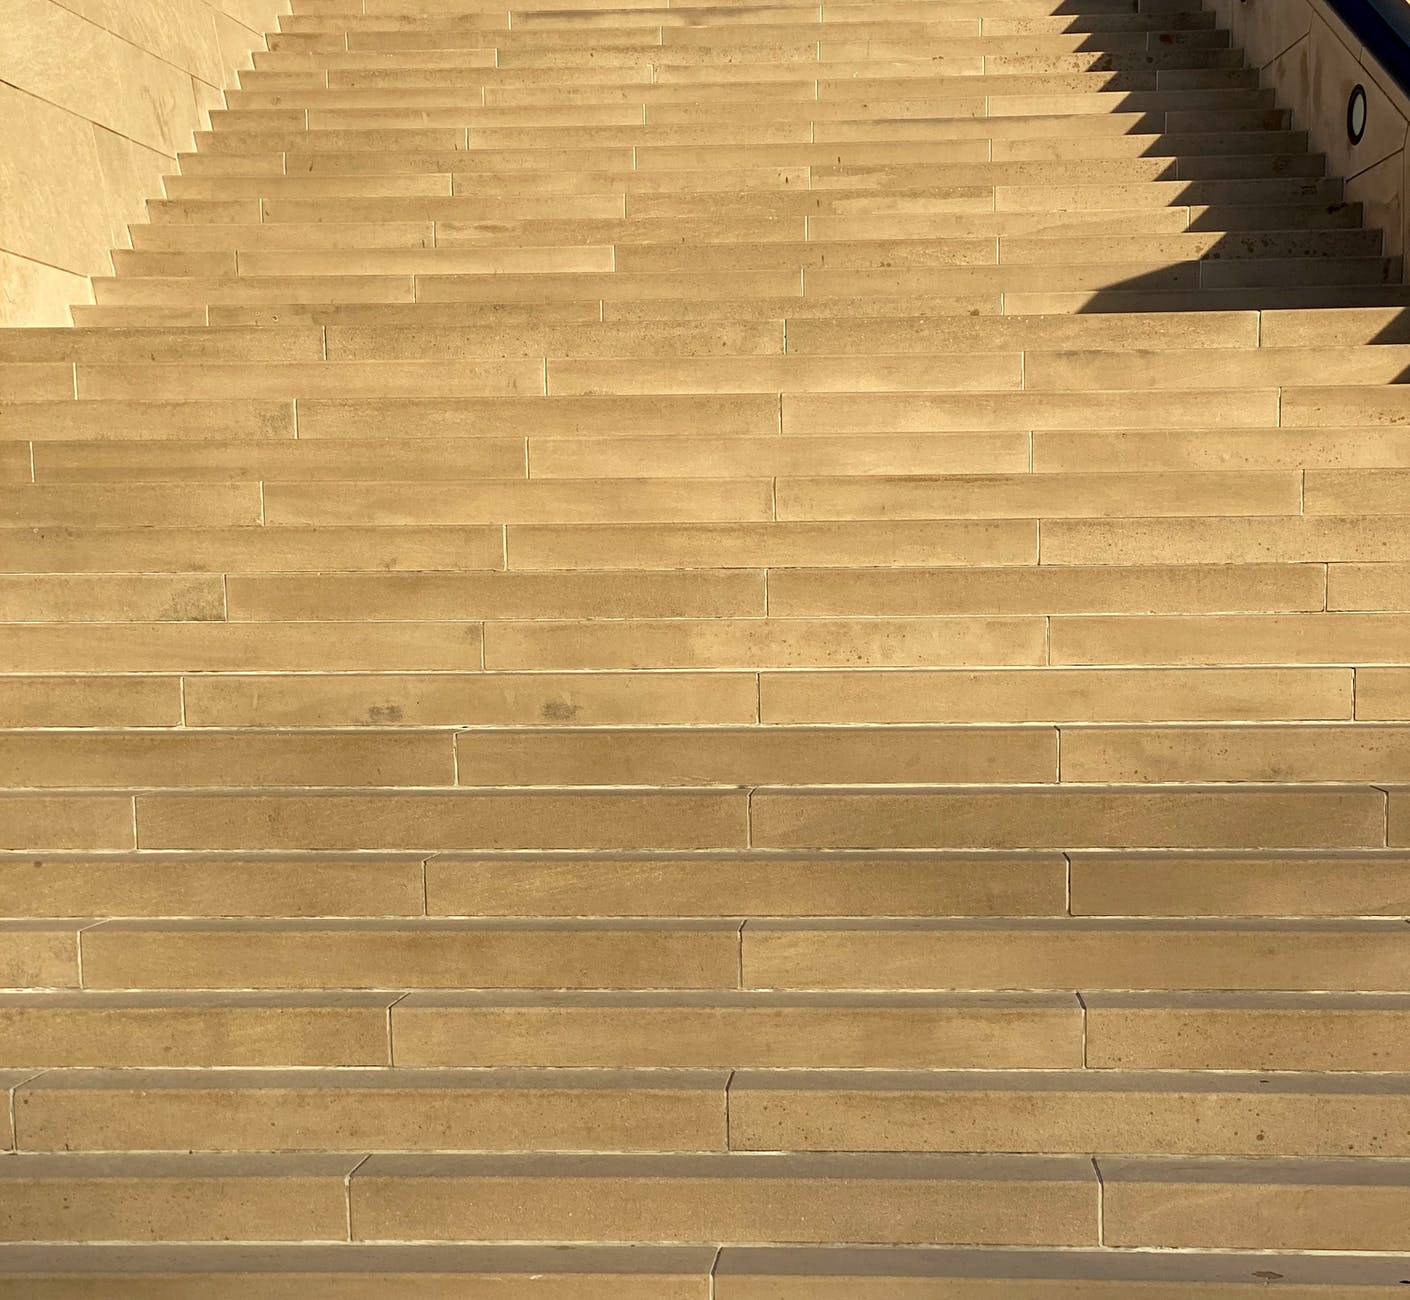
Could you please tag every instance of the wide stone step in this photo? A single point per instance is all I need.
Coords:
(738, 192)
(582, 454)
(1082, 103)
(906, 164)
(652, 757)
(761, 22)
(364, 1272)
(1154, 285)
(763, 1030)
(1010, 139)
(757, 883)
(281, 236)
(771, 61)
(955, 37)
(1151, 112)
(396, 1109)
(718, 1029)
(680, 698)
(820, 817)
(783, 954)
(1109, 641)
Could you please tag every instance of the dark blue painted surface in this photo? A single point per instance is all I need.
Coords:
(1383, 27)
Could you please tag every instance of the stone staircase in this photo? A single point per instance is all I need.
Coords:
(737, 651)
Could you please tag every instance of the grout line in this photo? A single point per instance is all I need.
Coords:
(78, 948)
(1101, 1203)
(391, 1056)
(1082, 1002)
(347, 1192)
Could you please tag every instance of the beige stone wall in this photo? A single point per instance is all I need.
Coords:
(96, 99)
(1312, 60)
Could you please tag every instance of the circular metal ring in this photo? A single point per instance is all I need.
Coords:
(1357, 111)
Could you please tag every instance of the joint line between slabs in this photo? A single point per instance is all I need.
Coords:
(1101, 1203)
(347, 1193)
